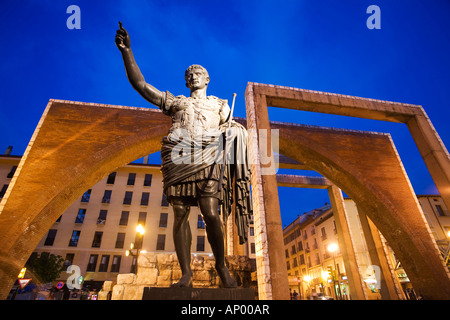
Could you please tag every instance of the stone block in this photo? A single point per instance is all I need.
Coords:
(103, 295)
(133, 292)
(176, 274)
(209, 263)
(147, 260)
(117, 292)
(108, 286)
(197, 263)
(126, 278)
(202, 276)
(164, 279)
(147, 276)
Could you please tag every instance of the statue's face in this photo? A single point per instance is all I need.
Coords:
(196, 79)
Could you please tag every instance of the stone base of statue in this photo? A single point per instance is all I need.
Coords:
(155, 293)
(161, 270)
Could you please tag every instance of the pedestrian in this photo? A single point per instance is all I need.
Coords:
(295, 294)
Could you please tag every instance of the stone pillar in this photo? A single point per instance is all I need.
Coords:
(433, 152)
(352, 269)
(270, 260)
(388, 290)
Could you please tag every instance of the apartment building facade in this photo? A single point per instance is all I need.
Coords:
(95, 232)
(314, 269)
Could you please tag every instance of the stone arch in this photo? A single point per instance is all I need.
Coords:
(79, 144)
(380, 189)
(379, 186)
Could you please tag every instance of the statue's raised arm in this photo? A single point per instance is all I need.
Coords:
(149, 92)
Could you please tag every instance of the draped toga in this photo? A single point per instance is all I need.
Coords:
(192, 156)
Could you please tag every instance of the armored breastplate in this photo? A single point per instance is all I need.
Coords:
(195, 116)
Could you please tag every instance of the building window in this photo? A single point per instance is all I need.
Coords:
(131, 178)
(97, 241)
(111, 178)
(80, 216)
(200, 222)
(50, 237)
(315, 245)
(128, 197)
(68, 261)
(161, 242)
(252, 231)
(163, 220)
(164, 202)
(439, 210)
(59, 219)
(120, 240)
(324, 233)
(107, 196)
(115, 266)
(142, 218)
(302, 259)
(144, 198)
(86, 196)
(252, 248)
(102, 217)
(293, 249)
(74, 239)
(92, 263)
(104, 264)
(200, 243)
(11, 173)
(147, 180)
(3, 191)
(124, 218)
(286, 253)
(300, 246)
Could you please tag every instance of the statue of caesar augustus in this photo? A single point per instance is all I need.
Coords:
(197, 122)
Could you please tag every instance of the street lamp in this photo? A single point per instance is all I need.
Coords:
(135, 248)
(333, 248)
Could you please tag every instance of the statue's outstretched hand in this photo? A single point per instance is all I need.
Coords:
(122, 38)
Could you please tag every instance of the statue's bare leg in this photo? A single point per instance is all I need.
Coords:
(182, 238)
(209, 209)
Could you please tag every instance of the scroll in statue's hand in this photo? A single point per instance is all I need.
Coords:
(122, 38)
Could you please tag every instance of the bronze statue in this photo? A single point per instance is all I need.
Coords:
(197, 122)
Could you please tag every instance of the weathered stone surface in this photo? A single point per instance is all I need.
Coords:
(107, 285)
(133, 292)
(117, 292)
(147, 260)
(166, 270)
(126, 278)
(147, 276)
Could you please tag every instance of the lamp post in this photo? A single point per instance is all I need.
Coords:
(135, 248)
(332, 248)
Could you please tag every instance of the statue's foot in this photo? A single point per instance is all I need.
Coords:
(185, 282)
(227, 280)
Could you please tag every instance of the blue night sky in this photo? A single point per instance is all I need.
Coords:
(320, 45)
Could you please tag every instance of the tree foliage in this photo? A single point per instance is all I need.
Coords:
(46, 266)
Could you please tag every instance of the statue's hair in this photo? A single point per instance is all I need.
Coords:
(192, 67)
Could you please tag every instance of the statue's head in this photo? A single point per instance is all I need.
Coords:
(196, 76)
